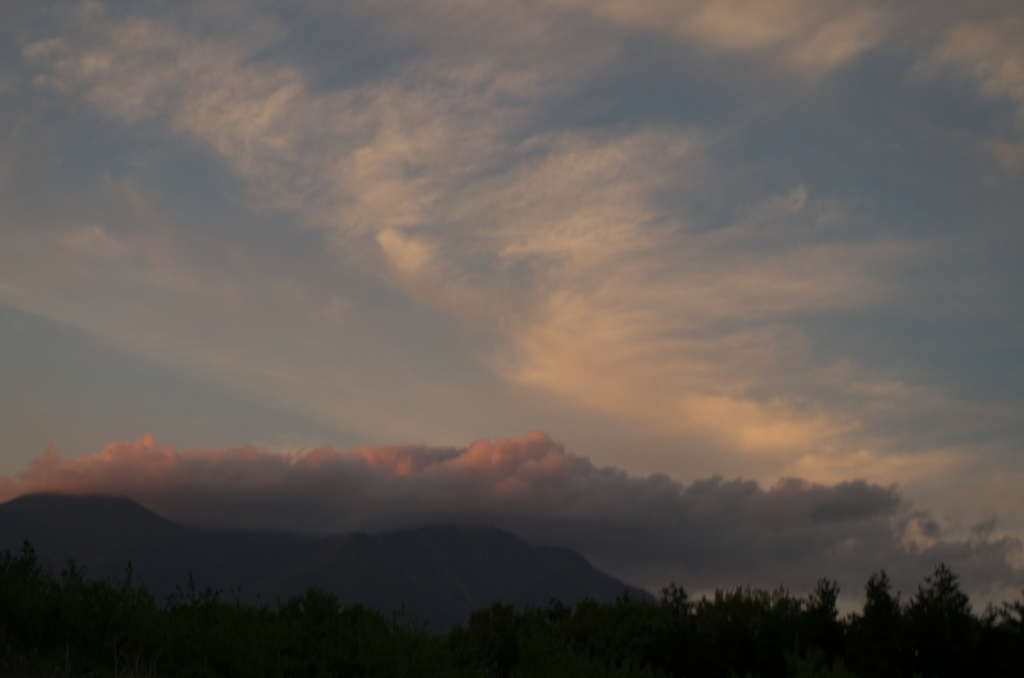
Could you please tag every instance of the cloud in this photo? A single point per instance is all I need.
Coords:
(458, 173)
(649, 530)
(93, 241)
(989, 53)
(809, 37)
(552, 242)
(407, 255)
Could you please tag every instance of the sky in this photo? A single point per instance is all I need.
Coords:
(714, 291)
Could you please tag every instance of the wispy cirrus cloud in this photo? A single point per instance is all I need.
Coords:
(987, 53)
(650, 530)
(562, 245)
(809, 38)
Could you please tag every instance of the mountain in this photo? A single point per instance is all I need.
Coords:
(436, 573)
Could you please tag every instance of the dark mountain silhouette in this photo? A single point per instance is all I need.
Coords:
(436, 573)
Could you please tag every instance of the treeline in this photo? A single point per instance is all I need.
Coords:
(65, 624)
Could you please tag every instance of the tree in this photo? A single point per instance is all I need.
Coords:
(942, 629)
(490, 640)
(876, 637)
(822, 618)
(676, 599)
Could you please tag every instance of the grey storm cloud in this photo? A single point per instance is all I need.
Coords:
(648, 530)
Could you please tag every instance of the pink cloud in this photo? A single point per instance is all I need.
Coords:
(158, 476)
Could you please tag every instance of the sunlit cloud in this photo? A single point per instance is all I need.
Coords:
(558, 244)
(578, 212)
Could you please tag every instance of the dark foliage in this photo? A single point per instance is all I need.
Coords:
(66, 624)
(875, 639)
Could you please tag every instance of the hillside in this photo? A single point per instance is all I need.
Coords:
(439, 573)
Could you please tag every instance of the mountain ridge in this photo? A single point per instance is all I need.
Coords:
(438, 573)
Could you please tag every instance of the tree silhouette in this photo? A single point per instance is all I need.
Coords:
(71, 625)
(823, 630)
(941, 628)
(876, 637)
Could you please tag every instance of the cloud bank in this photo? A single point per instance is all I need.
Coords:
(648, 530)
